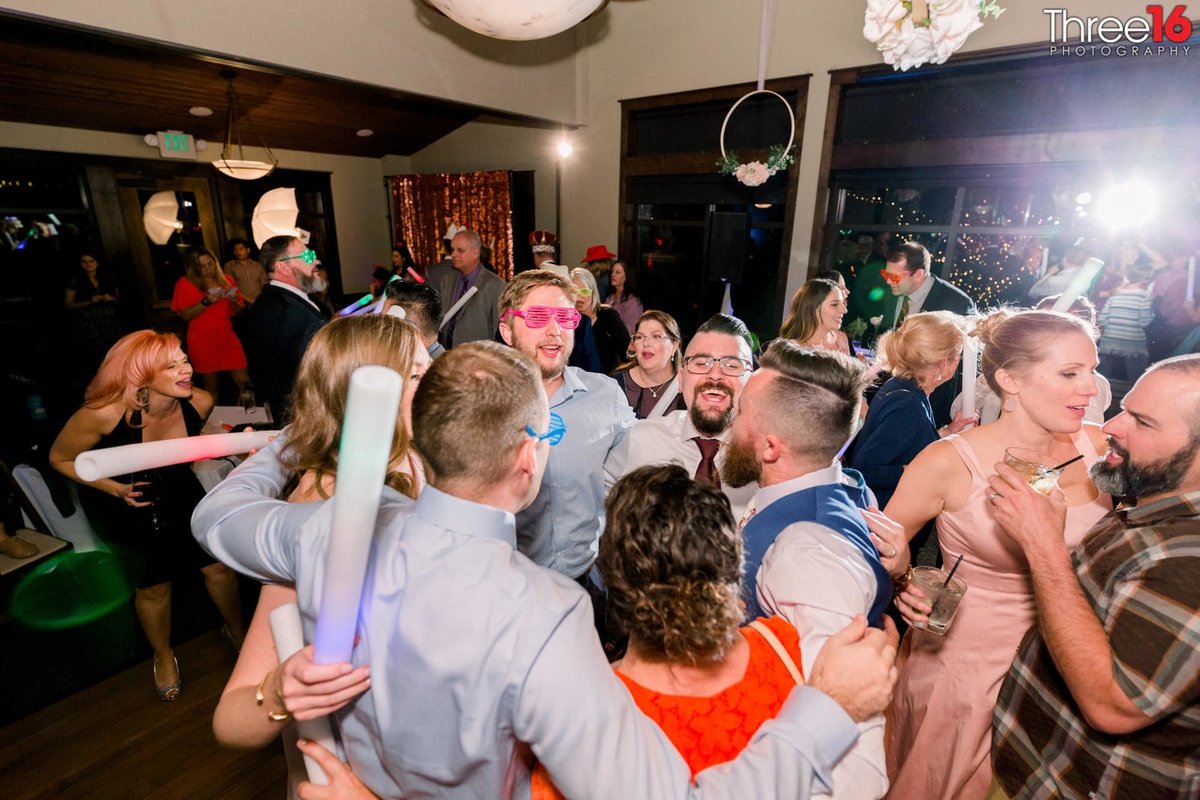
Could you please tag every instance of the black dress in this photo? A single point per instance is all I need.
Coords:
(612, 339)
(153, 543)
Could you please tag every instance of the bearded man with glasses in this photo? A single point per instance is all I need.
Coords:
(278, 327)
(561, 528)
(716, 366)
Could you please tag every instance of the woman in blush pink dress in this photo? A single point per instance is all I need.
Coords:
(939, 725)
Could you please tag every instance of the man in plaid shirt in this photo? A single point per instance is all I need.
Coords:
(1103, 699)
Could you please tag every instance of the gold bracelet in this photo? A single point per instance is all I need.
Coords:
(260, 698)
(901, 583)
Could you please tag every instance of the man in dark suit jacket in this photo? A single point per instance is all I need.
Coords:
(914, 289)
(480, 317)
(279, 325)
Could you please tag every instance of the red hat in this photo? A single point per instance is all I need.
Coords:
(597, 252)
(542, 241)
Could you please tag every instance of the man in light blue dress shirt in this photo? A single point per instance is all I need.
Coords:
(561, 528)
(476, 652)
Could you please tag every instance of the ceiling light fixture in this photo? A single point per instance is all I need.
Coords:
(364, 132)
(241, 168)
(200, 111)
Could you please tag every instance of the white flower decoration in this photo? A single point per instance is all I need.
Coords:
(753, 174)
(876, 320)
(907, 41)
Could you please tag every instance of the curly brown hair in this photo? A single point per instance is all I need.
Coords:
(672, 561)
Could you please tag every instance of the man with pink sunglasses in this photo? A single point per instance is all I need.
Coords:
(561, 529)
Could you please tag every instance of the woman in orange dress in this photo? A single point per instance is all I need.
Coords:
(671, 557)
(208, 299)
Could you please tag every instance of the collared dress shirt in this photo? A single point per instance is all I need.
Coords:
(818, 580)
(1139, 568)
(668, 440)
(561, 528)
(475, 650)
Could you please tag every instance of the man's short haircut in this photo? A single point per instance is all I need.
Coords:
(729, 326)
(421, 303)
(471, 409)
(272, 250)
(519, 287)
(473, 239)
(235, 242)
(914, 255)
(1189, 366)
(813, 399)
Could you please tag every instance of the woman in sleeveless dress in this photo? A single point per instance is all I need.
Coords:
(143, 393)
(939, 724)
(815, 317)
(318, 402)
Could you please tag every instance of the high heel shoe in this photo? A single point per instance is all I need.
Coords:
(170, 691)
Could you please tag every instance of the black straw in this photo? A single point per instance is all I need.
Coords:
(1067, 463)
(946, 585)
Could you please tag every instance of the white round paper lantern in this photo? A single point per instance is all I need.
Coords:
(517, 19)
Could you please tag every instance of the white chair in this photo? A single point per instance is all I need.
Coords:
(75, 529)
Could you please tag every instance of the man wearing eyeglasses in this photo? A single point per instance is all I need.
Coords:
(561, 529)
(280, 324)
(715, 368)
(477, 320)
(915, 289)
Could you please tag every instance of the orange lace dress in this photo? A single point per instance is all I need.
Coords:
(712, 730)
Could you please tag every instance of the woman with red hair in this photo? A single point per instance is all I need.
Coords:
(143, 393)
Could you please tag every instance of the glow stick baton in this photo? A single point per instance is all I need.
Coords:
(373, 399)
(93, 465)
(1045, 260)
(454, 309)
(969, 365)
(1191, 284)
(1079, 284)
(378, 307)
(288, 633)
(356, 305)
(416, 276)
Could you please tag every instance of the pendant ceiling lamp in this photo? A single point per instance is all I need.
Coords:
(233, 161)
(517, 20)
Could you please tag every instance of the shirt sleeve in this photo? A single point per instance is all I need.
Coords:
(818, 585)
(629, 756)
(622, 413)
(243, 525)
(1154, 630)
(185, 295)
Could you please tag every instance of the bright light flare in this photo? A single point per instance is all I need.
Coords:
(565, 149)
(1130, 204)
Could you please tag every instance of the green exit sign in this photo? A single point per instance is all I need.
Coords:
(176, 144)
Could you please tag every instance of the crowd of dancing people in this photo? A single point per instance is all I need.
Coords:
(687, 570)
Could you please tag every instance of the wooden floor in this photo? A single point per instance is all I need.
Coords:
(118, 740)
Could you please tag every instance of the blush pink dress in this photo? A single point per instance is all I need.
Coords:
(939, 730)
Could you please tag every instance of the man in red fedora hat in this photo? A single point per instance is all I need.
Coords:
(599, 261)
(543, 245)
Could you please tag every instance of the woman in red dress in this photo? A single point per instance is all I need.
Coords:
(208, 300)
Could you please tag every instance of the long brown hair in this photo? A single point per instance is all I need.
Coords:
(319, 396)
(191, 268)
(803, 317)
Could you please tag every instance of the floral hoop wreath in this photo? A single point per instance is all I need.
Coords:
(756, 173)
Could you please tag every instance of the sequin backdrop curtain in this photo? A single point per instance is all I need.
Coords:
(424, 206)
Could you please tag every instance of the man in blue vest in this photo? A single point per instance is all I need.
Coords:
(808, 551)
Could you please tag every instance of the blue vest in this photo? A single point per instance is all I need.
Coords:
(834, 505)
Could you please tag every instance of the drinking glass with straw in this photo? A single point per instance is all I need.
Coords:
(943, 592)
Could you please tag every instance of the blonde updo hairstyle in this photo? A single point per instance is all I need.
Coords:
(1015, 341)
(921, 342)
(671, 559)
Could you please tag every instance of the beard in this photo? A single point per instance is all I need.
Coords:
(741, 467)
(711, 423)
(305, 283)
(1143, 480)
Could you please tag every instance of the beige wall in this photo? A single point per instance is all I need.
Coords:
(633, 48)
(357, 185)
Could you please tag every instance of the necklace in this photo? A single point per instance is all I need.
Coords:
(653, 390)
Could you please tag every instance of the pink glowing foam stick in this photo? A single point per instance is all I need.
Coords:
(93, 465)
(415, 275)
(371, 408)
(288, 633)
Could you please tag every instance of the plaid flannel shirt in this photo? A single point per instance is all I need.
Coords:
(1140, 570)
